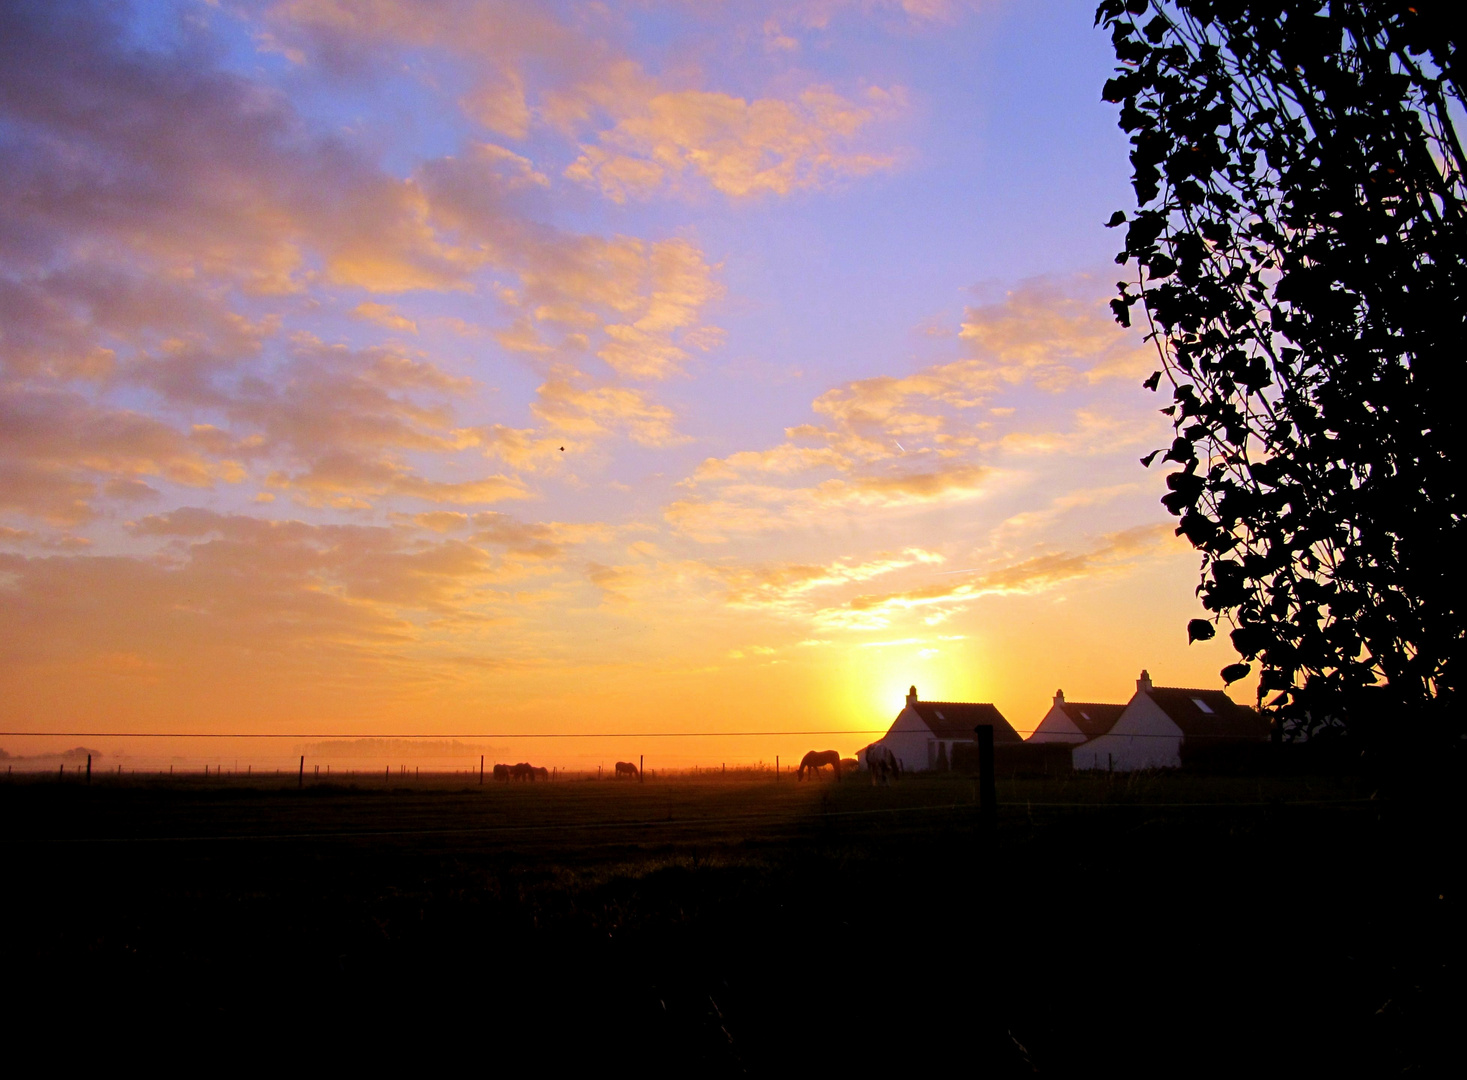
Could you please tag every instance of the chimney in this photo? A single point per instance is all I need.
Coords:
(912, 696)
(1143, 684)
(1059, 697)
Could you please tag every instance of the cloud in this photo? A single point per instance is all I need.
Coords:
(784, 588)
(132, 231)
(384, 315)
(232, 597)
(935, 437)
(571, 405)
(749, 508)
(527, 68)
(739, 148)
(59, 451)
(1053, 333)
(1039, 573)
(616, 583)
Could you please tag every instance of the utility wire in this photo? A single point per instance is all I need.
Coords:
(421, 736)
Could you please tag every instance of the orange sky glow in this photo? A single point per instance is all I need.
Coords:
(460, 368)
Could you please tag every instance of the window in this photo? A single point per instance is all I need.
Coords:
(1202, 705)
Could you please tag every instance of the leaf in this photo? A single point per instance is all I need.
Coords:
(1119, 217)
(1153, 382)
(1149, 458)
(1233, 672)
(1200, 630)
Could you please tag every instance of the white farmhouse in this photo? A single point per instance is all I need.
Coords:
(1075, 721)
(924, 733)
(1158, 720)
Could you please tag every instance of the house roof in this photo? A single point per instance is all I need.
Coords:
(957, 719)
(1092, 718)
(1208, 714)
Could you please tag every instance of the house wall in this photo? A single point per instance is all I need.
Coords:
(1143, 738)
(909, 740)
(1056, 727)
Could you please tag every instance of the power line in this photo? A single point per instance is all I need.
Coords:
(418, 735)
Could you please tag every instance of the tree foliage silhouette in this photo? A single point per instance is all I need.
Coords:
(1299, 258)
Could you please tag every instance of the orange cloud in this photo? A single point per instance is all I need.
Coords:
(569, 405)
(1038, 573)
(739, 148)
(384, 315)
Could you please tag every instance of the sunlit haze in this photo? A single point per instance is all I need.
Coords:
(451, 369)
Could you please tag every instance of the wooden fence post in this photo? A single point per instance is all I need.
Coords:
(300, 780)
(641, 768)
(987, 792)
(776, 768)
(89, 768)
(481, 770)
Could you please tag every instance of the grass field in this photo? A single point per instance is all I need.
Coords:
(1154, 924)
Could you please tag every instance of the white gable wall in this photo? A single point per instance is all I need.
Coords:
(1143, 738)
(1057, 727)
(912, 741)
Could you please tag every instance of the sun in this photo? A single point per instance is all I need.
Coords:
(876, 677)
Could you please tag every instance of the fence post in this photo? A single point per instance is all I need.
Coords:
(300, 780)
(89, 768)
(987, 792)
(481, 770)
(641, 768)
(776, 768)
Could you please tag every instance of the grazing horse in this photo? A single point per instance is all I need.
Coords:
(523, 771)
(626, 768)
(882, 764)
(501, 772)
(817, 758)
(540, 772)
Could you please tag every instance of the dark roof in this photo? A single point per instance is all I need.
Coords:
(1209, 714)
(957, 719)
(1092, 718)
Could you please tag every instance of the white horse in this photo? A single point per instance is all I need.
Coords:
(882, 764)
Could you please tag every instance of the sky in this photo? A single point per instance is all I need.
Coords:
(399, 367)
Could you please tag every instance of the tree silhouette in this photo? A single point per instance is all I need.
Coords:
(1298, 255)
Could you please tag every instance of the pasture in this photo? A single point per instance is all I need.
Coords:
(1155, 924)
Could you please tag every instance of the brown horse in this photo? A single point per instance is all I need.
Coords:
(815, 759)
(501, 772)
(626, 768)
(540, 773)
(523, 771)
(882, 764)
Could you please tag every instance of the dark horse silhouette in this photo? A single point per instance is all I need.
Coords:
(816, 759)
(501, 772)
(882, 764)
(523, 771)
(626, 768)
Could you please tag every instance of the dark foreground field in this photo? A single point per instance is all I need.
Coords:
(1155, 925)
